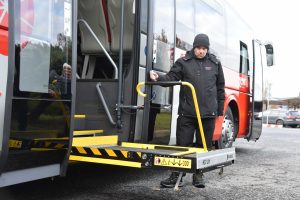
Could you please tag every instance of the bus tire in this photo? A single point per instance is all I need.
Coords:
(228, 131)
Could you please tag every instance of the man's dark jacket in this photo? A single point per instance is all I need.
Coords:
(206, 75)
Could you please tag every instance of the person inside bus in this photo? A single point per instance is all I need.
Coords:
(59, 87)
(202, 69)
(61, 84)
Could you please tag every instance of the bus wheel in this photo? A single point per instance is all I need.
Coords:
(227, 136)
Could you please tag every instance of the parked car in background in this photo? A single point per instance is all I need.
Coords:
(281, 117)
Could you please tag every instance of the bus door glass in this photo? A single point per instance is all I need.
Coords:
(163, 59)
(42, 70)
(257, 93)
(44, 42)
(159, 34)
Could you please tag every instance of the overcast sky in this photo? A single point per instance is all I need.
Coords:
(277, 21)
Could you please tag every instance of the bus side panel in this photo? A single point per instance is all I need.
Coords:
(3, 78)
(243, 102)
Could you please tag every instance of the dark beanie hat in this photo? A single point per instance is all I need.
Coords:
(201, 40)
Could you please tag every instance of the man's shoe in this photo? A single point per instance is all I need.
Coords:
(171, 181)
(198, 180)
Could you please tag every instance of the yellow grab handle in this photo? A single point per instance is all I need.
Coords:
(138, 89)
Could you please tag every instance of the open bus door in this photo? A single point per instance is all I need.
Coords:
(262, 53)
(40, 98)
(38, 107)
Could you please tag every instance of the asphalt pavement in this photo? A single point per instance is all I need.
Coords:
(266, 169)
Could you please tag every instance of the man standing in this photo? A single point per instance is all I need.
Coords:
(204, 71)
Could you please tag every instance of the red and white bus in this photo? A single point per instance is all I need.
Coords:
(111, 45)
(232, 41)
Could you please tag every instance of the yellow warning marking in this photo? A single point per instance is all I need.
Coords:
(111, 153)
(42, 149)
(59, 146)
(106, 161)
(139, 154)
(96, 151)
(125, 153)
(87, 132)
(47, 144)
(15, 144)
(81, 150)
(172, 162)
(187, 152)
(79, 116)
(43, 139)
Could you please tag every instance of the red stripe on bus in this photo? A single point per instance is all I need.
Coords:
(104, 6)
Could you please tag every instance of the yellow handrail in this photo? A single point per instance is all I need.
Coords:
(197, 113)
(138, 88)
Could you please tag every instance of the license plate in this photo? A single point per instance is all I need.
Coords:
(172, 162)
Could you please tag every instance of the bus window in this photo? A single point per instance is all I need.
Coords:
(163, 35)
(185, 24)
(144, 14)
(209, 19)
(244, 59)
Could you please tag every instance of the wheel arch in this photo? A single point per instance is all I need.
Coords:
(230, 102)
(235, 112)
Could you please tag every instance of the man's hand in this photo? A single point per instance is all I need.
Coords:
(153, 75)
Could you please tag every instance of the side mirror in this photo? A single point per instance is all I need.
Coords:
(270, 54)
